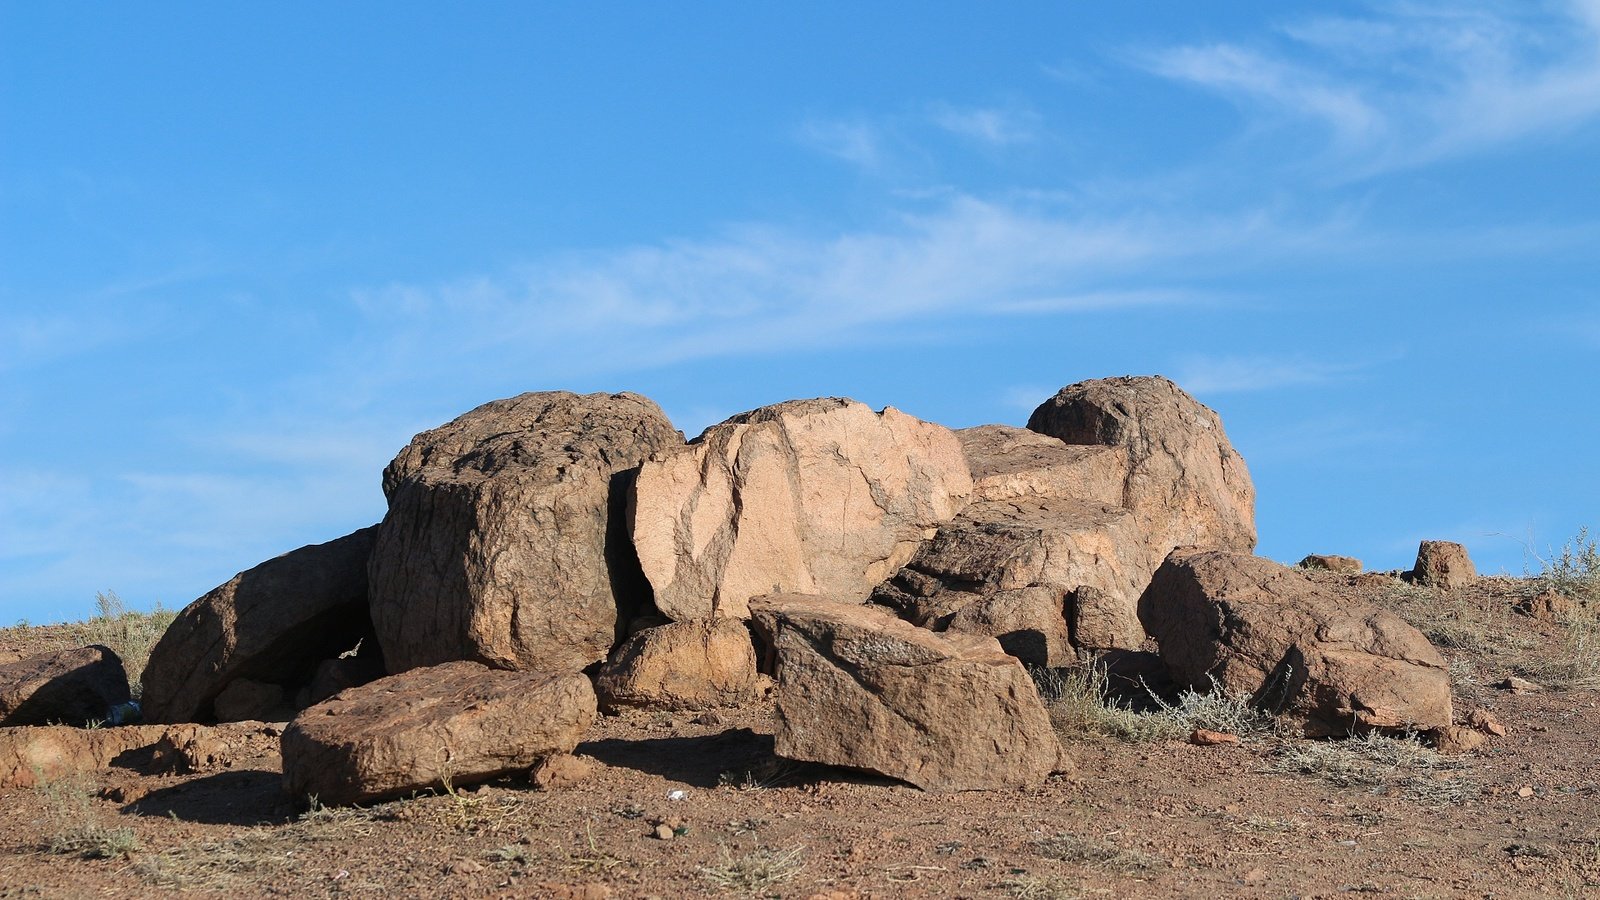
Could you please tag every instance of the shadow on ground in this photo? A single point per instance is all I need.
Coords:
(243, 797)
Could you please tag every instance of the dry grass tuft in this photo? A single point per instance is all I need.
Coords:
(755, 871)
(1072, 848)
(73, 823)
(1079, 701)
(1380, 764)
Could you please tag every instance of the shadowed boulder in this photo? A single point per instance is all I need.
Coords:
(69, 687)
(272, 623)
(1298, 648)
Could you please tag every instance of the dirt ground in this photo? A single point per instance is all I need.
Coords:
(1140, 818)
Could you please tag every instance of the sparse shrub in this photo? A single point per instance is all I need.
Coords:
(1080, 700)
(74, 825)
(1575, 572)
(1380, 763)
(754, 871)
(129, 633)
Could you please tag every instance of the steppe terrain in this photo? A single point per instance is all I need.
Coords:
(1147, 813)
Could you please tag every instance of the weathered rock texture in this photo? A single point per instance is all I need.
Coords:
(69, 687)
(1300, 649)
(270, 623)
(816, 496)
(1327, 562)
(1186, 484)
(505, 540)
(245, 699)
(858, 687)
(1014, 463)
(1028, 623)
(1003, 546)
(698, 664)
(460, 721)
(35, 755)
(1443, 564)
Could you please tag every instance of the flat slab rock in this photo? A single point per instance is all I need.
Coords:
(505, 540)
(272, 622)
(1298, 648)
(31, 756)
(1011, 463)
(816, 496)
(861, 688)
(460, 721)
(68, 687)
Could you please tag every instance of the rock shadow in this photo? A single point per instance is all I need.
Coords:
(698, 761)
(235, 797)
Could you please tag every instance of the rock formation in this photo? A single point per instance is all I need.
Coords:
(1297, 648)
(820, 496)
(505, 541)
(270, 623)
(858, 687)
(457, 723)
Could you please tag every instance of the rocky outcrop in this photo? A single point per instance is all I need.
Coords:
(1297, 648)
(1444, 565)
(1328, 562)
(1002, 546)
(37, 755)
(818, 496)
(69, 687)
(858, 687)
(505, 538)
(1186, 485)
(698, 664)
(457, 723)
(270, 623)
(1028, 622)
(1014, 463)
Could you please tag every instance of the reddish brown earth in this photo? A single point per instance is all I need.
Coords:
(1154, 819)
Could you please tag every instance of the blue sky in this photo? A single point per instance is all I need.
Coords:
(247, 250)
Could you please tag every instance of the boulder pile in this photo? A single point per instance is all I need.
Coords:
(882, 580)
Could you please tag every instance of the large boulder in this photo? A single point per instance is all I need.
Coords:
(1297, 648)
(271, 623)
(452, 724)
(68, 687)
(698, 664)
(858, 687)
(816, 496)
(1003, 546)
(505, 539)
(1014, 463)
(1185, 482)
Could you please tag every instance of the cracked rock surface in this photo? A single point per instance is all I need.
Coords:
(859, 687)
(811, 496)
(1299, 648)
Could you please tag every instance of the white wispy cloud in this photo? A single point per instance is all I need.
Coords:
(1232, 374)
(992, 126)
(757, 290)
(1411, 84)
(855, 141)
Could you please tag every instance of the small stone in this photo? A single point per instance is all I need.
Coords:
(664, 832)
(1202, 737)
(1518, 685)
(1525, 792)
(465, 867)
(1483, 721)
(560, 770)
(1457, 739)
